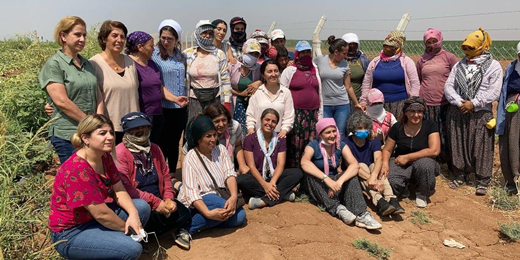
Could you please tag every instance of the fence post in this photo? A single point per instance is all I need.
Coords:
(192, 39)
(271, 29)
(316, 42)
(404, 22)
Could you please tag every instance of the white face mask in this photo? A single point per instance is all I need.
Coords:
(325, 143)
(249, 60)
(376, 111)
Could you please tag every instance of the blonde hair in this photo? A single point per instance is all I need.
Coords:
(88, 125)
(65, 25)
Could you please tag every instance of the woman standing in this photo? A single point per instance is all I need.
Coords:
(434, 68)
(139, 46)
(357, 62)
(116, 74)
(340, 193)
(207, 71)
(172, 65)
(393, 73)
(265, 155)
(335, 80)
(304, 82)
(70, 83)
(243, 73)
(206, 168)
(91, 212)
(271, 95)
(474, 83)
(237, 38)
(508, 125)
(416, 143)
(220, 33)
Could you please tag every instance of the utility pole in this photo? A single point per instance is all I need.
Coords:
(316, 42)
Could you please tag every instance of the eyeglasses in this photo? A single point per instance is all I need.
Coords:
(168, 39)
(111, 192)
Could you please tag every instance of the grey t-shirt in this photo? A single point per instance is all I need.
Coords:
(334, 92)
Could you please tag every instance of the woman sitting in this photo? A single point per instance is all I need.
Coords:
(339, 193)
(146, 175)
(367, 152)
(206, 168)
(417, 143)
(90, 209)
(265, 154)
(382, 120)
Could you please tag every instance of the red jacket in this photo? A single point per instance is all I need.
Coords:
(127, 169)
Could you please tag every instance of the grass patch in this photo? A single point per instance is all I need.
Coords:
(321, 208)
(302, 198)
(510, 230)
(373, 249)
(421, 217)
(501, 200)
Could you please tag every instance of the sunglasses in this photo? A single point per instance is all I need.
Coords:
(168, 39)
(111, 192)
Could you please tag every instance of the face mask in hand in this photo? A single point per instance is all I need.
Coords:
(361, 134)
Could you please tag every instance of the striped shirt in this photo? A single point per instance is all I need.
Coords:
(195, 179)
(223, 75)
(173, 75)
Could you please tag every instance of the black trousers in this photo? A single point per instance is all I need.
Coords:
(157, 129)
(252, 188)
(175, 120)
(159, 223)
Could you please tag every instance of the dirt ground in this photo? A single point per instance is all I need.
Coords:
(300, 231)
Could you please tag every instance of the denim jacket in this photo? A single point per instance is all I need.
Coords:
(501, 111)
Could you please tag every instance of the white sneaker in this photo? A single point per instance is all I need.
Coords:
(346, 216)
(290, 197)
(420, 200)
(367, 221)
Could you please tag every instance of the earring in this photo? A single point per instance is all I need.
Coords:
(88, 145)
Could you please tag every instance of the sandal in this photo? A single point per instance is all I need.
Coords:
(456, 184)
(481, 190)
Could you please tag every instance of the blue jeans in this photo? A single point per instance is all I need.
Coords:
(63, 148)
(340, 114)
(94, 241)
(213, 201)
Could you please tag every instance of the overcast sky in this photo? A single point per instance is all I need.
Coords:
(297, 18)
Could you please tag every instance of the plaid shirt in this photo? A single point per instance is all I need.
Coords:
(237, 51)
(223, 77)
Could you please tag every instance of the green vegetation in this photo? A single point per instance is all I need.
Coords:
(24, 150)
(373, 249)
(511, 231)
(501, 200)
(421, 217)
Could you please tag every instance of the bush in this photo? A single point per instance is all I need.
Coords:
(511, 231)
(373, 249)
(420, 217)
(501, 200)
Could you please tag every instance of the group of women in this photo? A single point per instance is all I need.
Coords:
(255, 129)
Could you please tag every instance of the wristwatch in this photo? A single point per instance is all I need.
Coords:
(325, 176)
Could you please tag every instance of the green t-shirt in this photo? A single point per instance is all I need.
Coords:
(80, 84)
(243, 82)
(356, 76)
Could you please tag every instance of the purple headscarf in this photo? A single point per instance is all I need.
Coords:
(134, 39)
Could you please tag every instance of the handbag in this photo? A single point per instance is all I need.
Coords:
(205, 95)
(222, 192)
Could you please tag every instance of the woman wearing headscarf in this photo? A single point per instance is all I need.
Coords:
(357, 62)
(382, 120)
(199, 191)
(303, 80)
(340, 193)
(508, 125)
(70, 83)
(116, 74)
(393, 73)
(269, 182)
(172, 65)
(474, 83)
(139, 46)
(409, 152)
(207, 71)
(434, 68)
(263, 39)
(242, 74)
(237, 38)
(146, 176)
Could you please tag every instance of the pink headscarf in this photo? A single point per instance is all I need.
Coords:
(434, 49)
(320, 126)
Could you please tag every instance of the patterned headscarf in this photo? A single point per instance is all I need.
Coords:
(395, 39)
(479, 40)
(134, 39)
(204, 43)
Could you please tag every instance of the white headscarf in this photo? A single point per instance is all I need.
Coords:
(175, 25)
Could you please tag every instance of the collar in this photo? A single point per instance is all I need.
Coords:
(70, 60)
